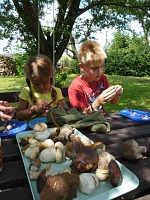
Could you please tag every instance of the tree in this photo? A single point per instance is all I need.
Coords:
(128, 56)
(21, 18)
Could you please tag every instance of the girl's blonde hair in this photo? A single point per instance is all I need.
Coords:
(91, 51)
(40, 66)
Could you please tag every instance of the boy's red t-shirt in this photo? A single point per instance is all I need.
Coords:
(82, 94)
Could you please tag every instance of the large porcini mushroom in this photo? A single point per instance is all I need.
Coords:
(115, 173)
(62, 186)
(85, 158)
(42, 177)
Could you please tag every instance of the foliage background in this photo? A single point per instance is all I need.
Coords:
(128, 55)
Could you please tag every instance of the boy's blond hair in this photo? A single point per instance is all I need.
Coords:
(91, 52)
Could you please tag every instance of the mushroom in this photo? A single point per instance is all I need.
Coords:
(102, 174)
(115, 174)
(48, 155)
(34, 169)
(104, 159)
(46, 144)
(34, 165)
(40, 126)
(88, 183)
(41, 179)
(51, 154)
(32, 152)
(132, 151)
(65, 131)
(41, 131)
(61, 186)
(59, 145)
(85, 159)
(86, 141)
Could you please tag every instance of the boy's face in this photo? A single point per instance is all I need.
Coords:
(92, 71)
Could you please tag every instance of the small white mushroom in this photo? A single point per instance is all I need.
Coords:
(40, 126)
(88, 183)
(34, 142)
(48, 155)
(59, 145)
(32, 152)
(42, 135)
(65, 131)
(28, 151)
(46, 144)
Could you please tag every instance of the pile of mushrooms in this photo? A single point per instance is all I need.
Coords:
(90, 161)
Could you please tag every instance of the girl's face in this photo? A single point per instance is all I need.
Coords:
(41, 85)
(92, 72)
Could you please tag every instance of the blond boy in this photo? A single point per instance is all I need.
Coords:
(91, 90)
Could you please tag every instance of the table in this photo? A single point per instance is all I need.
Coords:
(14, 182)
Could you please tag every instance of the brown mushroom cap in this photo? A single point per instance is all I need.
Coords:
(62, 186)
(115, 173)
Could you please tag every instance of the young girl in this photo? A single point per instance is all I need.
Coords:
(91, 90)
(34, 99)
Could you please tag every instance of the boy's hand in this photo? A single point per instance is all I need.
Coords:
(106, 96)
(119, 90)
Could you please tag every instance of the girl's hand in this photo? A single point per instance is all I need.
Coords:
(37, 109)
(40, 108)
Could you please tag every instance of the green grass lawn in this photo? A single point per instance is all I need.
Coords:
(136, 90)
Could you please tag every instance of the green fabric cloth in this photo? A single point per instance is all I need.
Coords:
(95, 121)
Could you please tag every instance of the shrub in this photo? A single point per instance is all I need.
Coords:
(128, 56)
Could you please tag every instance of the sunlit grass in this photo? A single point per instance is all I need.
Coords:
(14, 83)
(136, 93)
(136, 90)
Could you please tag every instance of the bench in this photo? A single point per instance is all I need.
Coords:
(13, 97)
(147, 197)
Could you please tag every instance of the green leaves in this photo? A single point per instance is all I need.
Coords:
(128, 55)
